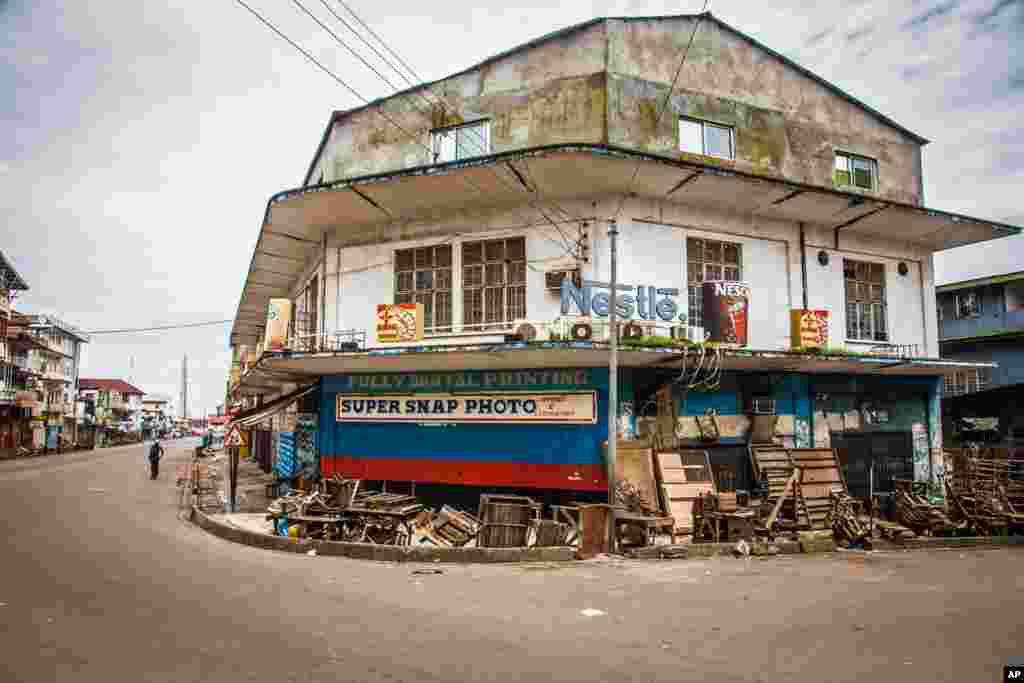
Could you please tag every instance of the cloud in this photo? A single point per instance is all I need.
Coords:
(858, 34)
(987, 19)
(817, 37)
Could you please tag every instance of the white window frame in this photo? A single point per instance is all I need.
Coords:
(683, 120)
(464, 141)
(874, 335)
(848, 160)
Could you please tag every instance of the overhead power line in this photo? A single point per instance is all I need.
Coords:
(266, 22)
(664, 106)
(161, 327)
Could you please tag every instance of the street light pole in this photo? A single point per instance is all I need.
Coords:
(613, 383)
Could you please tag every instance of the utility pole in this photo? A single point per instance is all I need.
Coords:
(613, 383)
(184, 387)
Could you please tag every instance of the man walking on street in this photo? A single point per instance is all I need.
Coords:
(156, 451)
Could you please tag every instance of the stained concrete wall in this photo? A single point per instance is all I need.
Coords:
(605, 84)
(786, 124)
(552, 93)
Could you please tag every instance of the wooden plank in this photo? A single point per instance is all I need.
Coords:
(634, 464)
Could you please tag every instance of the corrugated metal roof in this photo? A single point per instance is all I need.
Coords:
(16, 281)
(992, 259)
(109, 385)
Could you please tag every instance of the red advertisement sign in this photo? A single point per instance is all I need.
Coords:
(726, 307)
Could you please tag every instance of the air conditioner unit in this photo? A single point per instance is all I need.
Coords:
(760, 405)
(581, 331)
(526, 330)
(553, 279)
(632, 330)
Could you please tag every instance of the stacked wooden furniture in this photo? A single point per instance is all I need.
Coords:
(978, 489)
(801, 484)
(915, 512)
(506, 521)
(684, 476)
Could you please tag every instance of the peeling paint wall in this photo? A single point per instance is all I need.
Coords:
(552, 93)
(607, 82)
(786, 124)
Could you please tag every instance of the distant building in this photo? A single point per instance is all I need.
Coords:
(115, 407)
(157, 415)
(981, 319)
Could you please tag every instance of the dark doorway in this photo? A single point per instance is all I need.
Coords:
(892, 452)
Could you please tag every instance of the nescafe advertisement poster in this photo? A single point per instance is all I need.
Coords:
(726, 306)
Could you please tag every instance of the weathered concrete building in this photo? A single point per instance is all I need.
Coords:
(486, 198)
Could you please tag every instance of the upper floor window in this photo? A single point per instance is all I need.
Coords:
(967, 304)
(708, 260)
(967, 381)
(493, 282)
(424, 276)
(461, 142)
(706, 138)
(865, 301)
(855, 171)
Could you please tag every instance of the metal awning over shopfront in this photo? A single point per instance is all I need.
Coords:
(356, 211)
(254, 416)
(545, 355)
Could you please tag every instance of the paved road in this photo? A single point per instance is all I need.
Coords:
(103, 582)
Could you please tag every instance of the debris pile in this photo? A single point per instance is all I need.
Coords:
(846, 526)
(978, 482)
(914, 511)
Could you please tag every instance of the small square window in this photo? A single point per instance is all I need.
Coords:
(706, 138)
(461, 142)
(854, 171)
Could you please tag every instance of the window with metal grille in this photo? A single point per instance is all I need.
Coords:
(967, 381)
(493, 283)
(708, 260)
(865, 301)
(424, 276)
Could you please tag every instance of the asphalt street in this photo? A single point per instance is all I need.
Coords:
(104, 581)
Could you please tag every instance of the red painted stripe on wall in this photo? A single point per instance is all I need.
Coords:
(568, 477)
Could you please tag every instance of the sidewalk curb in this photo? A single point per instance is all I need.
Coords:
(380, 553)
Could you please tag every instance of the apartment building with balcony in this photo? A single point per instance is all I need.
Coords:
(980, 307)
(112, 409)
(13, 424)
(436, 293)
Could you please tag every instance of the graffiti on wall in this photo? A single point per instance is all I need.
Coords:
(921, 451)
(802, 433)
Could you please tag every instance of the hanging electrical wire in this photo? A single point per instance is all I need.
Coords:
(567, 248)
(161, 327)
(480, 146)
(664, 106)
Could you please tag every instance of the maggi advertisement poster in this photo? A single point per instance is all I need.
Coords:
(398, 323)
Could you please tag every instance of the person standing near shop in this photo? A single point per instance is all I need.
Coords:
(156, 451)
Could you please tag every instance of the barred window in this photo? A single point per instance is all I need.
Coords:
(424, 276)
(493, 283)
(967, 381)
(865, 301)
(708, 260)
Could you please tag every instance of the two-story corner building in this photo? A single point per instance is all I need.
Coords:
(157, 415)
(12, 406)
(115, 405)
(484, 201)
(980, 299)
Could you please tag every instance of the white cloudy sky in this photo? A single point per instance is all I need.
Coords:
(141, 140)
